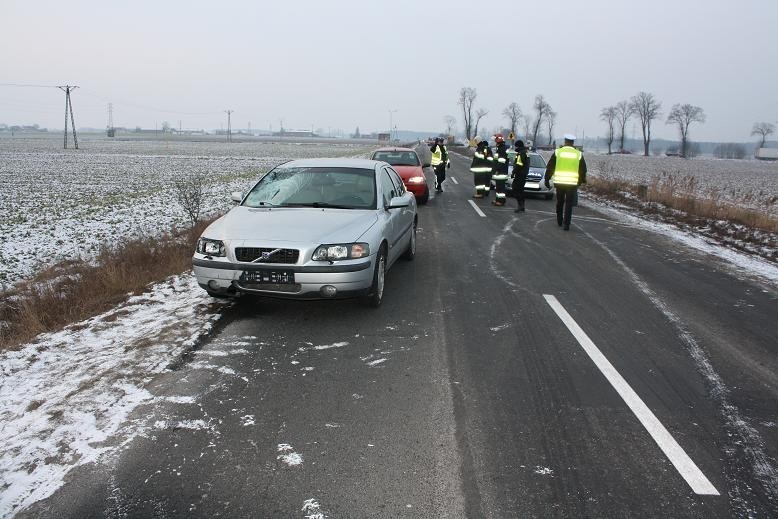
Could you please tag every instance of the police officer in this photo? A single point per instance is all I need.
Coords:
(567, 168)
(500, 170)
(481, 167)
(519, 175)
(439, 162)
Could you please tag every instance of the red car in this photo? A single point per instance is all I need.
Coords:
(407, 164)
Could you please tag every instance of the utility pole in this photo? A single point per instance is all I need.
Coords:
(111, 131)
(390, 123)
(229, 125)
(69, 106)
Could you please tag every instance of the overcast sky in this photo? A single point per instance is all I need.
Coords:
(343, 64)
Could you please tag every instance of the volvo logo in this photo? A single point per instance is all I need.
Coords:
(266, 255)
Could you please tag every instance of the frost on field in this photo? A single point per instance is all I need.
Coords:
(748, 183)
(60, 204)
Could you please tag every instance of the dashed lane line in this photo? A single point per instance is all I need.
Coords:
(477, 209)
(674, 452)
(454, 180)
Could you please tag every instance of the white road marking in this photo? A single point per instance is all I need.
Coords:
(454, 180)
(477, 209)
(674, 452)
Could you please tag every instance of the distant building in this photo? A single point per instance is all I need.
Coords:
(295, 133)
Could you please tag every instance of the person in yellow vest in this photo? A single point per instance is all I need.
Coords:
(439, 162)
(567, 168)
(481, 167)
(500, 170)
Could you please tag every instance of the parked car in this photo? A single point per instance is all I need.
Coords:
(406, 162)
(534, 183)
(311, 229)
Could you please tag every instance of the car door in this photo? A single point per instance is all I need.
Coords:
(391, 217)
(405, 215)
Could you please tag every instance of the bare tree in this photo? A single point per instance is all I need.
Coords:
(526, 124)
(542, 108)
(550, 122)
(467, 97)
(763, 129)
(479, 114)
(684, 115)
(513, 113)
(190, 193)
(623, 113)
(647, 108)
(451, 124)
(608, 114)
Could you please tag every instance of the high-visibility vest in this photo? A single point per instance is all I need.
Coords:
(518, 160)
(437, 156)
(566, 168)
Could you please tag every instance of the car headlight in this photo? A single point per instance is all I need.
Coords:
(416, 180)
(341, 251)
(210, 247)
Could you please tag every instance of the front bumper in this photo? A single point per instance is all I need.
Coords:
(418, 190)
(350, 278)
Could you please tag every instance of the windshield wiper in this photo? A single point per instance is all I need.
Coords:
(317, 204)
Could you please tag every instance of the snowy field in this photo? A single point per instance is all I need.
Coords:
(60, 204)
(751, 183)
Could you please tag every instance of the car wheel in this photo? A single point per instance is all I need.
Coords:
(376, 294)
(410, 253)
(423, 199)
(549, 196)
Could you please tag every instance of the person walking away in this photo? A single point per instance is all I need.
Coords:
(519, 175)
(481, 167)
(567, 168)
(439, 162)
(500, 170)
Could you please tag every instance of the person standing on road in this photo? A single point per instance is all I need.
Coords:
(520, 170)
(439, 162)
(567, 168)
(500, 170)
(481, 167)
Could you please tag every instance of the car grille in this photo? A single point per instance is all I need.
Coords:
(249, 254)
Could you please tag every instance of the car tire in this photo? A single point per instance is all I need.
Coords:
(376, 294)
(549, 196)
(410, 252)
(423, 199)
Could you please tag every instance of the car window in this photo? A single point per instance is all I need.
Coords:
(398, 158)
(388, 188)
(346, 188)
(398, 182)
(536, 161)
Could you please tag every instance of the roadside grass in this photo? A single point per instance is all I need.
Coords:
(748, 223)
(72, 291)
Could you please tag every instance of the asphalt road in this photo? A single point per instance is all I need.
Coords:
(514, 370)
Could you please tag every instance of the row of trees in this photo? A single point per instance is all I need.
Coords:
(542, 117)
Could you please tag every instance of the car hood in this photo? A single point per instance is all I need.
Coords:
(292, 225)
(407, 172)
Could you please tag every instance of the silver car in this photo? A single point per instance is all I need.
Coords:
(311, 229)
(535, 183)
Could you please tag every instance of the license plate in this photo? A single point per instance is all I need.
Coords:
(276, 277)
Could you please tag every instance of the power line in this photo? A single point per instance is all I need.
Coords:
(26, 85)
(69, 104)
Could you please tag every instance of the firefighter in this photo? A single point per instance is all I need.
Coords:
(567, 168)
(500, 170)
(520, 170)
(481, 167)
(439, 162)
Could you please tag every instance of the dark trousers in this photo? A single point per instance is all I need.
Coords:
(440, 174)
(518, 188)
(565, 199)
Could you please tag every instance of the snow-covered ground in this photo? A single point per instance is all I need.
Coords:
(61, 204)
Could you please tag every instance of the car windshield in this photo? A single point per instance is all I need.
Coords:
(536, 161)
(342, 188)
(397, 158)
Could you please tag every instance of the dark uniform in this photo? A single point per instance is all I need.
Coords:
(500, 171)
(519, 175)
(481, 167)
(567, 167)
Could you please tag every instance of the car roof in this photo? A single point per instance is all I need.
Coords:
(333, 163)
(395, 148)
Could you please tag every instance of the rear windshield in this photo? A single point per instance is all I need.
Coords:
(397, 158)
(342, 188)
(536, 161)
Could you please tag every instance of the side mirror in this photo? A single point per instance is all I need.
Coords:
(426, 165)
(398, 202)
(236, 196)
